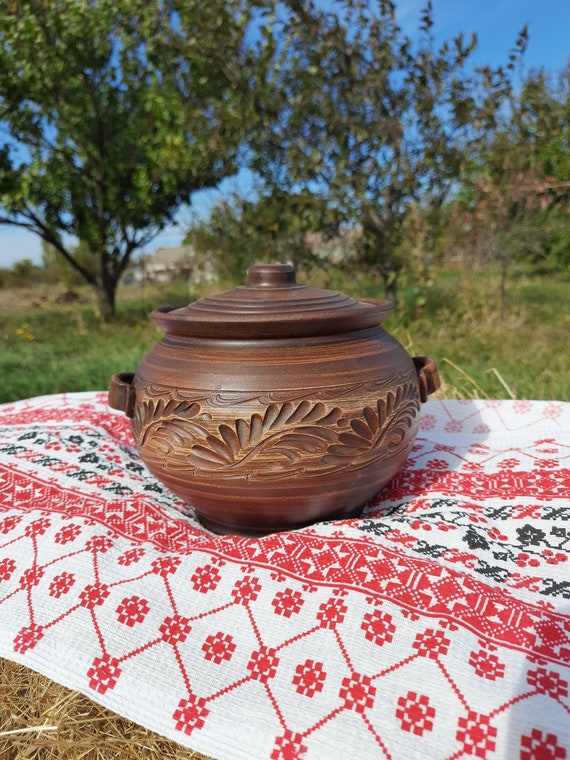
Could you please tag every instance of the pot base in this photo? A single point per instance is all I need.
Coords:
(231, 529)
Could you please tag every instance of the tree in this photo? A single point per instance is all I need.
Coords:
(516, 194)
(369, 120)
(276, 227)
(114, 112)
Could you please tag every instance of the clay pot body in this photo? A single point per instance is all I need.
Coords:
(262, 428)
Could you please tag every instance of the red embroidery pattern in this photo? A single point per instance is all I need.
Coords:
(219, 648)
(415, 713)
(476, 734)
(539, 746)
(487, 665)
(418, 629)
(132, 610)
(309, 678)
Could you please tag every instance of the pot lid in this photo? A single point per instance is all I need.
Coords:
(271, 305)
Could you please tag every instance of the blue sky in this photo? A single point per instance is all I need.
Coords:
(496, 23)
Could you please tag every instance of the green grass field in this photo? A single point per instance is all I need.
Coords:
(51, 348)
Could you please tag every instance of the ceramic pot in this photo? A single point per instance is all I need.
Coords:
(274, 405)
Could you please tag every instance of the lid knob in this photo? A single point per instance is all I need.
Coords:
(271, 276)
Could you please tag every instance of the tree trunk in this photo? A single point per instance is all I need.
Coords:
(391, 288)
(106, 299)
(378, 252)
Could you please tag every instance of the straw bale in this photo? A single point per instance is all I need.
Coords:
(42, 720)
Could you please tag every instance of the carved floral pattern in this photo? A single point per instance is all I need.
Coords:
(275, 436)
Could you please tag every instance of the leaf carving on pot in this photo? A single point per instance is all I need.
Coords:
(152, 415)
(268, 436)
(280, 440)
(381, 429)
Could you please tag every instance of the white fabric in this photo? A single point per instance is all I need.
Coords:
(435, 626)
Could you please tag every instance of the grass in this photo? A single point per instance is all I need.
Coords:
(51, 348)
(483, 354)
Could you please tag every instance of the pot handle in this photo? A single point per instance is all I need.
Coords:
(122, 393)
(428, 377)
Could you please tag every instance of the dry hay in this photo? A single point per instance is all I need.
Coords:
(41, 720)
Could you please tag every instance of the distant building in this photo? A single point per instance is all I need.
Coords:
(168, 264)
(339, 248)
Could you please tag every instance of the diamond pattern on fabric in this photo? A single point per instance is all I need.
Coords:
(436, 625)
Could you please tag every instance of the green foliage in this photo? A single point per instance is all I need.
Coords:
(222, 241)
(115, 112)
(272, 228)
(516, 192)
(554, 230)
(370, 120)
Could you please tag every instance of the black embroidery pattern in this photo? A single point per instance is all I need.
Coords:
(496, 541)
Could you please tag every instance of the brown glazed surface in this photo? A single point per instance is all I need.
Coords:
(261, 434)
